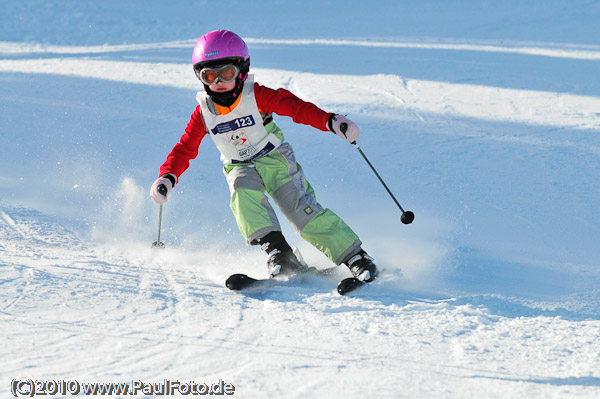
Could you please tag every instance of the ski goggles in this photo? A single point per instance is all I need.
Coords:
(226, 73)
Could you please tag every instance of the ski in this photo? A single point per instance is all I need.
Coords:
(349, 284)
(239, 281)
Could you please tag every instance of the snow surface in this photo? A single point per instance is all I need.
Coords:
(482, 117)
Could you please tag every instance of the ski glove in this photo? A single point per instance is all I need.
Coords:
(344, 128)
(168, 182)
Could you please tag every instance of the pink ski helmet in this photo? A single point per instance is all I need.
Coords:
(221, 47)
(217, 45)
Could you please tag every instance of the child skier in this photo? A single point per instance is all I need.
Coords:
(236, 113)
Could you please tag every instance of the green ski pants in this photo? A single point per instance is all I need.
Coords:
(282, 178)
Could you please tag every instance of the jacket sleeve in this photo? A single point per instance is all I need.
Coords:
(186, 149)
(283, 102)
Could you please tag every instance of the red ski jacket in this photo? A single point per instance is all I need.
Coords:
(281, 102)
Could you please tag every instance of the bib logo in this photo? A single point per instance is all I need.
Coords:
(241, 143)
(238, 138)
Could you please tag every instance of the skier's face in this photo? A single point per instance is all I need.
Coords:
(222, 87)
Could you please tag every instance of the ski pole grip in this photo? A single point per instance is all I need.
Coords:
(162, 189)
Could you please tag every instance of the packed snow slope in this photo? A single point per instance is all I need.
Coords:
(482, 117)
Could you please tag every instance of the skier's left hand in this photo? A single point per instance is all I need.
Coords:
(344, 128)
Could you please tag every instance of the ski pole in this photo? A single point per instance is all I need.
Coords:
(158, 244)
(407, 216)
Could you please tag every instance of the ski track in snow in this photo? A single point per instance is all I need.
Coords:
(554, 50)
(361, 94)
(147, 315)
(75, 309)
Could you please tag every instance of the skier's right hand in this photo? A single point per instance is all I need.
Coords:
(167, 182)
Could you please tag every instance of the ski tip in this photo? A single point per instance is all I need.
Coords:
(237, 282)
(349, 284)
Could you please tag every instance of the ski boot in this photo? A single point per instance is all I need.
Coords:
(281, 260)
(284, 263)
(362, 267)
